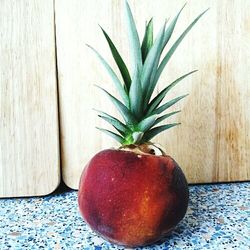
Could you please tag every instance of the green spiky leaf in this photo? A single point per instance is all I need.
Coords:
(103, 113)
(147, 123)
(120, 127)
(114, 77)
(155, 131)
(134, 41)
(158, 99)
(114, 121)
(137, 136)
(167, 35)
(151, 61)
(148, 40)
(112, 134)
(135, 95)
(170, 29)
(124, 111)
(139, 113)
(168, 105)
(162, 118)
(119, 61)
(175, 45)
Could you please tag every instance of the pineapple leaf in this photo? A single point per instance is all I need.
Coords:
(168, 105)
(162, 118)
(152, 61)
(158, 99)
(170, 29)
(141, 114)
(119, 61)
(174, 47)
(135, 95)
(120, 127)
(125, 112)
(137, 136)
(114, 77)
(147, 42)
(154, 131)
(147, 123)
(103, 113)
(167, 36)
(112, 134)
(134, 40)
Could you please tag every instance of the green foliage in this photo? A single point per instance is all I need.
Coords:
(112, 134)
(151, 62)
(147, 123)
(136, 95)
(134, 41)
(162, 118)
(168, 104)
(119, 61)
(140, 113)
(125, 112)
(114, 77)
(175, 46)
(120, 127)
(158, 99)
(155, 131)
(148, 40)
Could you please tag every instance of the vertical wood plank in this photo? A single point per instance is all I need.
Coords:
(232, 155)
(216, 115)
(29, 149)
(212, 144)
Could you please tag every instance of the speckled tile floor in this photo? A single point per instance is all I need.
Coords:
(218, 218)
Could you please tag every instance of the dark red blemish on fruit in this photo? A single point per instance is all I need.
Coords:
(180, 188)
(176, 192)
(163, 168)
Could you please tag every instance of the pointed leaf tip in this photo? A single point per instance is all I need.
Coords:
(175, 45)
(134, 41)
(120, 127)
(148, 40)
(158, 99)
(113, 76)
(124, 111)
(119, 61)
(168, 104)
(112, 134)
(162, 118)
(150, 65)
(155, 131)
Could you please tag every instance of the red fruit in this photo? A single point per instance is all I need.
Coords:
(132, 199)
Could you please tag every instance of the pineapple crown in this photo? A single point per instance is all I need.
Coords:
(140, 112)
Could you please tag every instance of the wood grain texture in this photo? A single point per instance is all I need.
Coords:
(212, 144)
(29, 148)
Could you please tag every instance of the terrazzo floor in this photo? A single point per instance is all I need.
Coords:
(218, 218)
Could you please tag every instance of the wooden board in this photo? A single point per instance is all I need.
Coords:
(212, 144)
(29, 149)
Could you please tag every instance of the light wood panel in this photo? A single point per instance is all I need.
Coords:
(29, 148)
(212, 144)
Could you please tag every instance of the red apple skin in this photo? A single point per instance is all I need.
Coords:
(131, 199)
